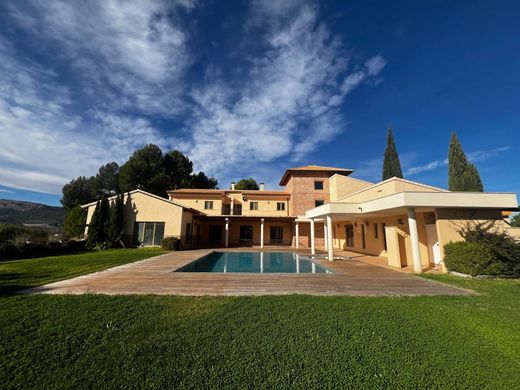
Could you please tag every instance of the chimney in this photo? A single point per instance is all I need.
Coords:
(233, 183)
(261, 186)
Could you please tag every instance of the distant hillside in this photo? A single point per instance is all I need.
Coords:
(28, 213)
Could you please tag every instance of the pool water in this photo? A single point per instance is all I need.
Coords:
(255, 262)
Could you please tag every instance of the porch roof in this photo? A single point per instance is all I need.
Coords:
(474, 200)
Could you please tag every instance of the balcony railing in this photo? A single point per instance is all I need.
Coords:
(226, 209)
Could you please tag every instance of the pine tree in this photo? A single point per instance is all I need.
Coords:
(462, 175)
(116, 221)
(391, 163)
(74, 224)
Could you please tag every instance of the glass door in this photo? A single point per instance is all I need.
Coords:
(276, 234)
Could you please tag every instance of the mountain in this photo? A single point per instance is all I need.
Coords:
(29, 213)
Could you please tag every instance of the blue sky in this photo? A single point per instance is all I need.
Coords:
(251, 88)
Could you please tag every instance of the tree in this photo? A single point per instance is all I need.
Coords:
(201, 181)
(462, 175)
(97, 228)
(145, 170)
(116, 221)
(74, 224)
(78, 191)
(178, 167)
(107, 179)
(391, 163)
(247, 184)
(515, 220)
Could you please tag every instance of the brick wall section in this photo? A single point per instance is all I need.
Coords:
(303, 194)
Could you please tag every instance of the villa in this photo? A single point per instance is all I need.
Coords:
(321, 208)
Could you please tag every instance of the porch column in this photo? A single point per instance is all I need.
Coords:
(297, 234)
(313, 247)
(226, 234)
(262, 233)
(329, 238)
(414, 237)
(325, 236)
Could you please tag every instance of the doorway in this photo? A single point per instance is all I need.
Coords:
(276, 234)
(432, 241)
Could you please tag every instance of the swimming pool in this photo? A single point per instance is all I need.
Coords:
(255, 262)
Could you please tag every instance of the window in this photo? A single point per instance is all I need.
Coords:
(318, 185)
(215, 233)
(318, 202)
(363, 236)
(376, 231)
(349, 232)
(253, 206)
(148, 233)
(280, 206)
(208, 205)
(246, 233)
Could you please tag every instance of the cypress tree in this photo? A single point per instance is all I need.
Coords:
(391, 163)
(115, 226)
(462, 175)
(94, 227)
(97, 229)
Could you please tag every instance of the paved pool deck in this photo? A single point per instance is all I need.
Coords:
(156, 276)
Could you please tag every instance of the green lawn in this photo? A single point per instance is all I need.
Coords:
(117, 342)
(20, 274)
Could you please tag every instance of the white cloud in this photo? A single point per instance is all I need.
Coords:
(137, 48)
(43, 145)
(478, 155)
(287, 105)
(131, 60)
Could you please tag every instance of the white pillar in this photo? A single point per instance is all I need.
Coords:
(329, 238)
(414, 237)
(313, 247)
(262, 233)
(325, 236)
(227, 233)
(297, 234)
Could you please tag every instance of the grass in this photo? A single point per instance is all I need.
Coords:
(21, 274)
(264, 342)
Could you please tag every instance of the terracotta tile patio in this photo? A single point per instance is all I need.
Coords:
(156, 276)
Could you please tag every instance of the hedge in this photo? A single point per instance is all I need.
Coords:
(476, 258)
(10, 251)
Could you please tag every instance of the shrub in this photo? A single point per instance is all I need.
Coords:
(486, 251)
(470, 258)
(170, 243)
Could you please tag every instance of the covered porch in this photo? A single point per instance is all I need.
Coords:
(404, 238)
(241, 231)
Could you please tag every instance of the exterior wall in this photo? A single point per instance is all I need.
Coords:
(143, 208)
(385, 188)
(341, 186)
(197, 202)
(303, 194)
(449, 221)
(267, 204)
